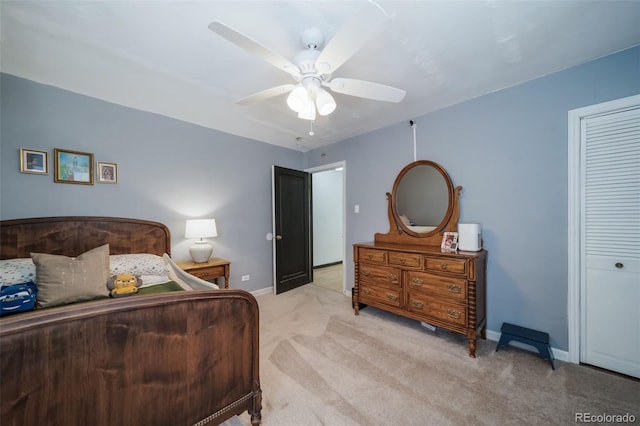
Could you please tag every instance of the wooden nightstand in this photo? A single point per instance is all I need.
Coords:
(211, 270)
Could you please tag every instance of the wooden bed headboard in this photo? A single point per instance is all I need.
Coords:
(74, 235)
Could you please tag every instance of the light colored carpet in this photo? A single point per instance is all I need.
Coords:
(322, 365)
(329, 277)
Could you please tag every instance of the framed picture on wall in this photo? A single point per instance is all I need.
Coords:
(33, 161)
(73, 167)
(107, 172)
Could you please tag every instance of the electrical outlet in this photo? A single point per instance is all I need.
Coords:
(246, 277)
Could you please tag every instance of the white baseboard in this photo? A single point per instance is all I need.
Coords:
(262, 291)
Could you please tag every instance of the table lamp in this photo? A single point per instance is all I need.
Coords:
(201, 228)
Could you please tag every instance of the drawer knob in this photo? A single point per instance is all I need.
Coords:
(454, 288)
(443, 265)
(453, 314)
(417, 303)
(366, 272)
(417, 281)
(366, 291)
(392, 277)
(403, 261)
(392, 297)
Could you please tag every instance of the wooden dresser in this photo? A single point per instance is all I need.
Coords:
(447, 290)
(406, 272)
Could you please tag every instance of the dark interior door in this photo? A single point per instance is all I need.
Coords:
(293, 236)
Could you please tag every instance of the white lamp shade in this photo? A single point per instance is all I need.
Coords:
(298, 99)
(326, 103)
(201, 228)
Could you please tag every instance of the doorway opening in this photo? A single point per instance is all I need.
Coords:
(329, 223)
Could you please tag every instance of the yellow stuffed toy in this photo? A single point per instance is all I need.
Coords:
(123, 285)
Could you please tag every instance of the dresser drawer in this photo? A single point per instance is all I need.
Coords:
(380, 274)
(433, 307)
(455, 288)
(409, 260)
(453, 266)
(372, 256)
(369, 293)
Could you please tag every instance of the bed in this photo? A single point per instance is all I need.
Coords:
(170, 358)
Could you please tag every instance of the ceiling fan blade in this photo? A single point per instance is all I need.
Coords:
(266, 94)
(350, 38)
(253, 47)
(366, 89)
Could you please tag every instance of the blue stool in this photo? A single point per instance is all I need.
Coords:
(538, 339)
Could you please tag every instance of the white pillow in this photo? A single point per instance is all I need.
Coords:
(137, 264)
(17, 271)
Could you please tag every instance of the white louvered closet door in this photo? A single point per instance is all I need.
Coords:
(611, 241)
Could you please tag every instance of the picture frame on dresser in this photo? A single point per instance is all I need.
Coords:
(34, 161)
(449, 241)
(73, 167)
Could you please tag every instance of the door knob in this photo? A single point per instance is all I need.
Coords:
(619, 265)
(278, 237)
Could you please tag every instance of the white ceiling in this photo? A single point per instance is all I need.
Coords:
(159, 56)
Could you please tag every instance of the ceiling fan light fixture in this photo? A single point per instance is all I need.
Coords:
(309, 112)
(313, 67)
(298, 99)
(325, 102)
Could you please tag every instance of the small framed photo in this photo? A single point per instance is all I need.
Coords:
(107, 172)
(73, 167)
(449, 241)
(32, 161)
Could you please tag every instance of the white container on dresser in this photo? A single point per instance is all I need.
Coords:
(405, 272)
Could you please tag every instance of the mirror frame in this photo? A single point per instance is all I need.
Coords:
(394, 197)
(399, 233)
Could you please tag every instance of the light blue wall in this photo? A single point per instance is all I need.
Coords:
(507, 149)
(509, 152)
(168, 171)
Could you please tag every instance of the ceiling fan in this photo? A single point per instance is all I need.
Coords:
(313, 69)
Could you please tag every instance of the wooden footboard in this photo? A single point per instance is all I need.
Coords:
(180, 358)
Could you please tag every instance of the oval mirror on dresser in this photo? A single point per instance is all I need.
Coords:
(422, 205)
(422, 198)
(404, 271)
